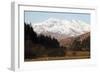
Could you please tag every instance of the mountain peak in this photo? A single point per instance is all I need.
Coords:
(52, 19)
(61, 27)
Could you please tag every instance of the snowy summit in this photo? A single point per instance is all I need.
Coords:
(62, 27)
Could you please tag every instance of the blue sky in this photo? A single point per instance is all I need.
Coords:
(36, 16)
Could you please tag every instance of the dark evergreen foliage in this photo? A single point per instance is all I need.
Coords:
(46, 41)
(32, 38)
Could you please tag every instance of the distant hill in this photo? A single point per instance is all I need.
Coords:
(82, 42)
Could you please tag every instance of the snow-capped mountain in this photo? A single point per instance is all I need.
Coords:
(58, 28)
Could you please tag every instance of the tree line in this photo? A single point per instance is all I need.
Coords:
(46, 41)
(38, 45)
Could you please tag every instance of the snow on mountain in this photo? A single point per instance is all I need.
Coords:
(62, 27)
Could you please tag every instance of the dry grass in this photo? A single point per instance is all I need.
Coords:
(69, 55)
(78, 53)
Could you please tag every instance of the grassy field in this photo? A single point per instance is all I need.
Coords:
(69, 55)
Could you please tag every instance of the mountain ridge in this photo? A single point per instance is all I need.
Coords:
(53, 26)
